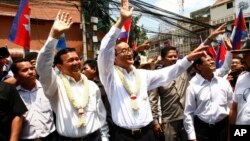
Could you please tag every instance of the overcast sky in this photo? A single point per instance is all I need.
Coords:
(172, 5)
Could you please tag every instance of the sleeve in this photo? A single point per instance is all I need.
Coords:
(190, 107)
(221, 72)
(229, 95)
(106, 58)
(102, 116)
(156, 78)
(18, 108)
(238, 84)
(44, 64)
(153, 99)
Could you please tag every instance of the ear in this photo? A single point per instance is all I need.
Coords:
(59, 66)
(197, 66)
(94, 69)
(115, 62)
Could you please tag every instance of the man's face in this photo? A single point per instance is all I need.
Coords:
(89, 72)
(207, 65)
(235, 64)
(124, 55)
(246, 58)
(26, 72)
(171, 57)
(71, 64)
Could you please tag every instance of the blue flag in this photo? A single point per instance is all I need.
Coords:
(61, 43)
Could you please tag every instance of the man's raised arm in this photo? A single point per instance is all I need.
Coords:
(106, 56)
(45, 57)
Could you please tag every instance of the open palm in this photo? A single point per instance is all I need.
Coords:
(62, 23)
(125, 11)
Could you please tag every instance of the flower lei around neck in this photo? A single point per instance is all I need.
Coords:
(131, 92)
(73, 100)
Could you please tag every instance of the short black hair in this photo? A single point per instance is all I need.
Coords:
(14, 67)
(165, 50)
(31, 56)
(199, 60)
(92, 64)
(239, 58)
(4, 52)
(57, 59)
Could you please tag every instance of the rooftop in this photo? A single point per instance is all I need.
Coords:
(44, 9)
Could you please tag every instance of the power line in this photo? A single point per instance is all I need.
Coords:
(162, 14)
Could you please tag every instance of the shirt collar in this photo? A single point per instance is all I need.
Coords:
(71, 79)
(124, 71)
(199, 80)
(38, 85)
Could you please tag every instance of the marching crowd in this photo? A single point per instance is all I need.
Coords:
(50, 96)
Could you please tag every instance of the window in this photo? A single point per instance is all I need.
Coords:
(229, 5)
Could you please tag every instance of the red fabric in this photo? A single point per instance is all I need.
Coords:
(20, 30)
(124, 35)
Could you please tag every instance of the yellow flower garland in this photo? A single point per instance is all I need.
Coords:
(131, 92)
(77, 105)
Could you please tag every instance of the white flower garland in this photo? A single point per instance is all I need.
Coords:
(131, 92)
(73, 100)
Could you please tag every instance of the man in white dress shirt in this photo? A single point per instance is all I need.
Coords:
(127, 86)
(76, 101)
(208, 101)
(240, 110)
(38, 121)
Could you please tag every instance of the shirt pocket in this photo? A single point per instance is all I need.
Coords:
(223, 99)
(45, 106)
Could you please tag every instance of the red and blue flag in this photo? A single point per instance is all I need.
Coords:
(239, 31)
(211, 51)
(20, 30)
(61, 44)
(220, 54)
(124, 35)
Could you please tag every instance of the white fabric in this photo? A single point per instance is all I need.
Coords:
(66, 114)
(209, 100)
(225, 68)
(243, 110)
(38, 120)
(122, 113)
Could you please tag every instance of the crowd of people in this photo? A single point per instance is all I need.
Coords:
(48, 96)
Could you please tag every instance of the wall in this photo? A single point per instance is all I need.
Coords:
(220, 13)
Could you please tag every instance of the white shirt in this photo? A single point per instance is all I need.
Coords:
(225, 68)
(38, 120)
(66, 115)
(209, 100)
(122, 113)
(242, 98)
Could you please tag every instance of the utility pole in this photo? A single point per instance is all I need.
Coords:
(181, 6)
(85, 54)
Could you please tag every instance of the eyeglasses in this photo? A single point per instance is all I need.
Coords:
(125, 51)
(246, 92)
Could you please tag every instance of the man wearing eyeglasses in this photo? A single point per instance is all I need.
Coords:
(127, 86)
(240, 110)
